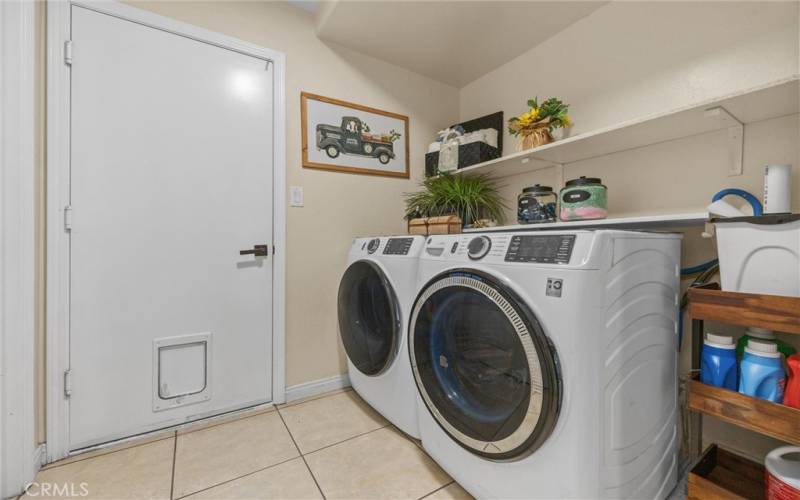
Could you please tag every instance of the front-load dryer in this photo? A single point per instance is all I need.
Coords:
(546, 362)
(374, 301)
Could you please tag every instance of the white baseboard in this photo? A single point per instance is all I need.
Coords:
(316, 387)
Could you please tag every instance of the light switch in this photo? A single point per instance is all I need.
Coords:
(296, 196)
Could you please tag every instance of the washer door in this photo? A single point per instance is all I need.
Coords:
(483, 365)
(369, 317)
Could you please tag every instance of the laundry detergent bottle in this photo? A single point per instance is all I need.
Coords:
(763, 334)
(792, 395)
(718, 361)
(762, 374)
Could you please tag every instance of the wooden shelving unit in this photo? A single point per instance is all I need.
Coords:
(780, 313)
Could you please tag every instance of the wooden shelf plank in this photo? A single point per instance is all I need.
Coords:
(758, 415)
(639, 222)
(774, 100)
(774, 312)
(722, 475)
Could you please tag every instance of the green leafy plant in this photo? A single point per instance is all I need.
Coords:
(471, 198)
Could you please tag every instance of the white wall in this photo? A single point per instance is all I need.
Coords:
(628, 60)
(632, 59)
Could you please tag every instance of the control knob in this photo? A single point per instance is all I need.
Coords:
(373, 245)
(478, 247)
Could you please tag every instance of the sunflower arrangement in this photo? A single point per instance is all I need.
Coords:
(536, 125)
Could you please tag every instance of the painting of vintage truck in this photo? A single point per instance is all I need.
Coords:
(352, 137)
(348, 137)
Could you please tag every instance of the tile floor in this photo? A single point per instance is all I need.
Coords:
(330, 446)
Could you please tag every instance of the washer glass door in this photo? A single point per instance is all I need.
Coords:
(483, 365)
(369, 317)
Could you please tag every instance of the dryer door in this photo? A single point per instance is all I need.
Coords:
(483, 365)
(369, 317)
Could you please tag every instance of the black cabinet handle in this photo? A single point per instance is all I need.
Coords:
(257, 250)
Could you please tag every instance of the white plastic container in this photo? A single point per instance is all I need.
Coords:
(760, 257)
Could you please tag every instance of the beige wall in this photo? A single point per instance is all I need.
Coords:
(629, 60)
(338, 207)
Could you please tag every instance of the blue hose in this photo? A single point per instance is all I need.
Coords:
(757, 208)
(699, 268)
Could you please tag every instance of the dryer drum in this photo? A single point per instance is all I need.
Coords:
(369, 317)
(483, 365)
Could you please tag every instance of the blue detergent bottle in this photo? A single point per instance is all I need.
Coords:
(762, 374)
(718, 361)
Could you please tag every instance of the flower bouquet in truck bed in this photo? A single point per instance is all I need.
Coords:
(535, 126)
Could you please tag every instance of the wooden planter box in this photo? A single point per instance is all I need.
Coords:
(720, 474)
(445, 224)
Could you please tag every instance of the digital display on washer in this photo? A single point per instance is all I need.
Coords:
(398, 246)
(549, 249)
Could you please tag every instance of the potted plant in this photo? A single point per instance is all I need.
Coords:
(536, 125)
(472, 198)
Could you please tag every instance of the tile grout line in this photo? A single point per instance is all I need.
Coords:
(440, 488)
(291, 404)
(52, 465)
(302, 456)
(233, 418)
(344, 440)
(174, 461)
(176, 430)
(239, 477)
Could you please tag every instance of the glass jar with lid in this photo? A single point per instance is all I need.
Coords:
(536, 204)
(584, 198)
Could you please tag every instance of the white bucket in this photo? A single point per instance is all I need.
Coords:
(760, 258)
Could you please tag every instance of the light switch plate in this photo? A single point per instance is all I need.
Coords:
(296, 196)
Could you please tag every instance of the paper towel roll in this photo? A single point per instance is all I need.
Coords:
(777, 189)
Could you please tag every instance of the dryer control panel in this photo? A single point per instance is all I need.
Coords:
(543, 249)
(398, 246)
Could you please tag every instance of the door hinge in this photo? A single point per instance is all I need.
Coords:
(68, 383)
(68, 52)
(269, 63)
(68, 218)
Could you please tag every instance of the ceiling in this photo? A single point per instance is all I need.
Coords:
(454, 42)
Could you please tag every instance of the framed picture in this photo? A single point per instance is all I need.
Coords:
(347, 137)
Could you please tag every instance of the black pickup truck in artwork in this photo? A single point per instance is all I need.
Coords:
(351, 138)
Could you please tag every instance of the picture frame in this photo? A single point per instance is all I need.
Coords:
(343, 136)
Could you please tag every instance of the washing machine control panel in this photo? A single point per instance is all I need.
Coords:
(544, 249)
(398, 246)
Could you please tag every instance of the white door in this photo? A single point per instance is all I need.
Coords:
(171, 176)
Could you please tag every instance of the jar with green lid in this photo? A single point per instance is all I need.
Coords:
(584, 199)
(536, 204)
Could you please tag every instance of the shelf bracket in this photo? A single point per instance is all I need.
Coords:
(559, 170)
(735, 137)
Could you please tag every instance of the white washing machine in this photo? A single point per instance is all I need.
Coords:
(374, 302)
(546, 362)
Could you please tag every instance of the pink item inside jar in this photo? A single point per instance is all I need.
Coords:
(583, 213)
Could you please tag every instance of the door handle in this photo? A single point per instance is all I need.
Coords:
(257, 251)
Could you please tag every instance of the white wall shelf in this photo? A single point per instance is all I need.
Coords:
(774, 100)
(641, 222)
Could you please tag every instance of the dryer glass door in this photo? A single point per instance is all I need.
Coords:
(369, 317)
(483, 365)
